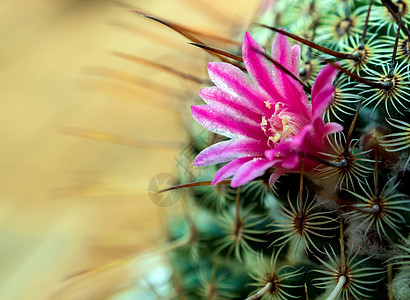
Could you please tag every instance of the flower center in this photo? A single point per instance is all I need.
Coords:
(401, 8)
(395, 86)
(280, 126)
(343, 27)
(362, 55)
(405, 48)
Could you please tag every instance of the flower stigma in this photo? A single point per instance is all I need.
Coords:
(280, 126)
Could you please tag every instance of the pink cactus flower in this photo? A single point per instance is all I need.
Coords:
(267, 116)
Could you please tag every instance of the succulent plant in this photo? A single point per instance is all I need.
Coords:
(316, 137)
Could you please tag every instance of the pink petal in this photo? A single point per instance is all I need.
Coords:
(313, 141)
(322, 101)
(292, 161)
(287, 153)
(217, 97)
(275, 175)
(229, 150)
(278, 152)
(323, 89)
(295, 61)
(229, 169)
(270, 154)
(223, 123)
(299, 139)
(321, 130)
(259, 67)
(285, 54)
(232, 80)
(332, 128)
(291, 89)
(250, 171)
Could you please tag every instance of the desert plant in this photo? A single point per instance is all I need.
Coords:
(314, 132)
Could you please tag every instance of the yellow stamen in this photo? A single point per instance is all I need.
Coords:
(264, 122)
(267, 103)
(277, 137)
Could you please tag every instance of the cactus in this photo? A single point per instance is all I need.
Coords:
(328, 220)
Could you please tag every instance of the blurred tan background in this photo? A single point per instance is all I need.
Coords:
(82, 135)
